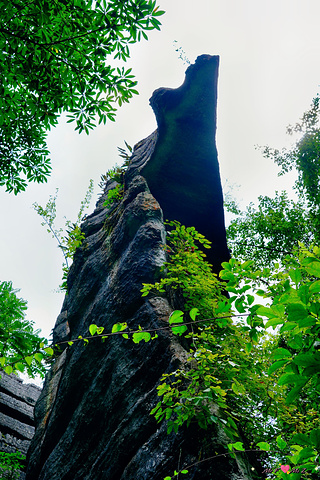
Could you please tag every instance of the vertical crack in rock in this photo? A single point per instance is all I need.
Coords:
(93, 416)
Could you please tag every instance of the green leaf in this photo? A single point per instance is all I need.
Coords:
(237, 446)
(19, 366)
(276, 365)
(296, 312)
(238, 389)
(93, 329)
(119, 327)
(273, 322)
(38, 357)
(301, 439)
(289, 378)
(315, 438)
(281, 443)
(307, 453)
(193, 313)
(313, 268)
(176, 317)
(307, 322)
(29, 359)
(271, 312)
(264, 446)
(293, 394)
(315, 287)
(280, 353)
(139, 336)
(179, 330)
(306, 359)
(49, 350)
(8, 369)
(295, 275)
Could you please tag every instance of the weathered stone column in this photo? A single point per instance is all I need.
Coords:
(93, 416)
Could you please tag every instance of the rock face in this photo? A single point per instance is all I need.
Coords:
(180, 160)
(92, 417)
(17, 401)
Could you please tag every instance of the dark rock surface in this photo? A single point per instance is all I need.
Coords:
(17, 400)
(180, 160)
(92, 417)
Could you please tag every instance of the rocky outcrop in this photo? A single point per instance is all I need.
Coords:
(93, 415)
(17, 401)
(180, 160)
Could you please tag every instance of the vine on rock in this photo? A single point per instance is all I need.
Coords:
(261, 387)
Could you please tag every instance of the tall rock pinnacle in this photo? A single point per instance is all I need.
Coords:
(93, 417)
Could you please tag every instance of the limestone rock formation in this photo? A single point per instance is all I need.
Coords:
(180, 160)
(17, 401)
(93, 416)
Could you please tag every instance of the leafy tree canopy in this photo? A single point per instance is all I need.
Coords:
(18, 339)
(268, 232)
(53, 59)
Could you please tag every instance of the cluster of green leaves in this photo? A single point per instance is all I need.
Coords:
(114, 195)
(54, 58)
(116, 174)
(219, 364)
(268, 232)
(11, 465)
(70, 238)
(120, 328)
(293, 295)
(187, 271)
(238, 375)
(21, 347)
(304, 156)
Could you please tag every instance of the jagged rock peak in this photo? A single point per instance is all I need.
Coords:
(93, 416)
(180, 160)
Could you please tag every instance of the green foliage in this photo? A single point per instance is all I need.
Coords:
(304, 157)
(114, 195)
(239, 376)
(21, 347)
(54, 58)
(218, 361)
(10, 465)
(268, 232)
(293, 309)
(73, 237)
(116, 173)
(187, 270)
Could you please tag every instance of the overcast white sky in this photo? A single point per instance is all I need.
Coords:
(269, 73)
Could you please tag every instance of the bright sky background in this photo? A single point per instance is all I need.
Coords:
(269, 73)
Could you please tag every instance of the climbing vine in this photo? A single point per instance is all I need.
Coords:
(256, 384)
